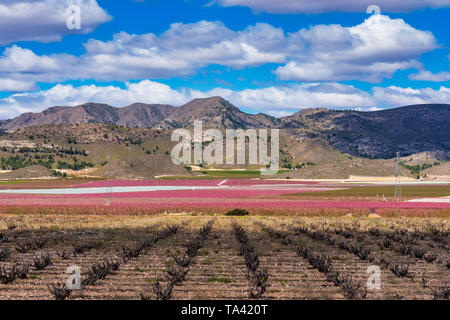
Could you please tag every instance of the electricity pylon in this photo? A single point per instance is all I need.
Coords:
(109, 187)
(398, 184)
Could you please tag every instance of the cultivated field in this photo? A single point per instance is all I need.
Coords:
(210, 196)
(222, 257)
(222, 239)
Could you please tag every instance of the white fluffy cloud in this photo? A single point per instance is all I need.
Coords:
(20, 63)
(371, 51)
(272, 100)
(396, 96)
(181, 50)
(16, 85)
(45, 20)
(425, 75)
(282, 100)
(22, 68)
(320, 6)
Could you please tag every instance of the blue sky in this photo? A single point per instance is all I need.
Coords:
(261, 55)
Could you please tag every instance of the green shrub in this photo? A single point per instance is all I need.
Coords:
(221, 280)
(237, 212)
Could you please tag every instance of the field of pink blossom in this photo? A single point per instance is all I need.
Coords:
(204, 194)
(253, 195)
(176, 203)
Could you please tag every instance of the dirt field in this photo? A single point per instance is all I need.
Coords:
(219, 257)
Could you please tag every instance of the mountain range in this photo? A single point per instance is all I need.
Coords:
(377, 134)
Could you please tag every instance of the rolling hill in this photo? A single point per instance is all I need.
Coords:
(378, 134)
(215, 113)
(336, 141)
